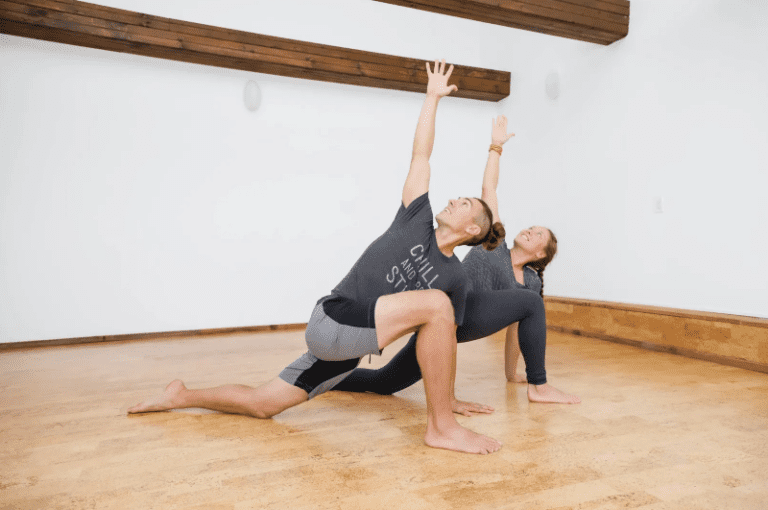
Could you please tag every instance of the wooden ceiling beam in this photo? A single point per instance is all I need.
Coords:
(598, 21)
(540, 25)
(95, 26)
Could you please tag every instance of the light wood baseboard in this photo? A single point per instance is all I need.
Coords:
(150, 336)
(732, 340)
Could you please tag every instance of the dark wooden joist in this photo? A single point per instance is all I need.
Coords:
(597, 21)
(107, 28)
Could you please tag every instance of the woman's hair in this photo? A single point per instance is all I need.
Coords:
(494, 232)
(539, 265)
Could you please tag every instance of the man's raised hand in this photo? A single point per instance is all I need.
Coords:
(438, 80)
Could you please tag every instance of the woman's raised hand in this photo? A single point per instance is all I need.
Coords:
(438, 80)
(499, 134)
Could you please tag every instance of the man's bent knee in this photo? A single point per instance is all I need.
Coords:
(439, 305)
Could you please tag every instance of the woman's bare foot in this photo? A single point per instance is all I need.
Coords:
(459, 439)
(168, 399)
(545, 393)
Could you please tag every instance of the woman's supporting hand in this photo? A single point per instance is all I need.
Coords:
(468, 408)
(438, 80)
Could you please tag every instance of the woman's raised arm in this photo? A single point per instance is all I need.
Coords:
(499, 137)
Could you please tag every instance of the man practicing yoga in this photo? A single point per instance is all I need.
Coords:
(408, 280)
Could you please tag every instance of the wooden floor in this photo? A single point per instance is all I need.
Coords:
(655, 431)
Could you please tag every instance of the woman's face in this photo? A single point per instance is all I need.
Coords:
(533, 241)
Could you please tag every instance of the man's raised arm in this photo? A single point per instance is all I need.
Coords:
(417, 182)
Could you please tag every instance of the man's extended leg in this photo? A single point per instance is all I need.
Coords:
(262, 402)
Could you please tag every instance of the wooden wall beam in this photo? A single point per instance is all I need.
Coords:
(107, 28)
(597, 21)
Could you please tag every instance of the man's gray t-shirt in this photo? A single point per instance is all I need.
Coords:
(492, 270)
(406, 257)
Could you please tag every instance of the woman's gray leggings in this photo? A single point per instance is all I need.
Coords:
(486, 313)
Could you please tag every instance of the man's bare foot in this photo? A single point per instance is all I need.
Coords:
(545, 393)
(459, 439)
(168, 399)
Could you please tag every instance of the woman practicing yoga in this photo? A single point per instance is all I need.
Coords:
(368, 310)
(506, 287)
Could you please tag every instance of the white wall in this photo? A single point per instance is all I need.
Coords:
(679, 110)
(139, 195)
